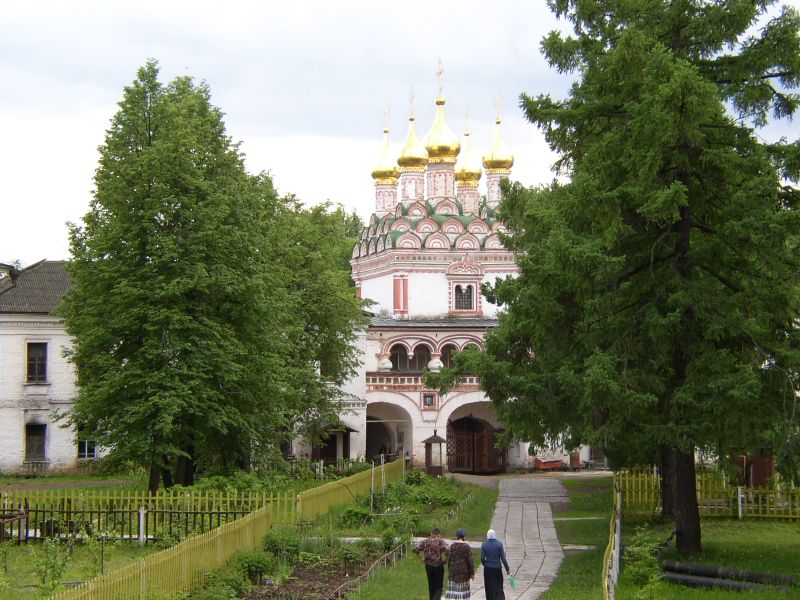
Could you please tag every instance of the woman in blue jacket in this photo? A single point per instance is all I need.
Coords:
(493, 556)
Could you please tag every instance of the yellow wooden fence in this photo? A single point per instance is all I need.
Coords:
(174, 570)
(170, 571)
(641, 493)
(319, 500)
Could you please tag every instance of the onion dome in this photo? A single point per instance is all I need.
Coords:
(385, 172)
(413, 153)
(499, 157)
(468, 168)
(442, 144)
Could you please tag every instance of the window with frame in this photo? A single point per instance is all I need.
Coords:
(35, 436)
(464, 297)
(87, 449)
(37, 362)
(428, 400)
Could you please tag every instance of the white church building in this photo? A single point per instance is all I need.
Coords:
(422, 258)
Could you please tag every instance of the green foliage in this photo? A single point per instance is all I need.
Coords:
(349, 555)
(355, 515)
(641, 558)
(227, 582)
(49, 563)
(415, 477)
(254, 563)
(388, 539)
(657, 300)
(201, 304)
(283, 541)
(100, 547)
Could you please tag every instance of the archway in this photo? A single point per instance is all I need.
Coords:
(471, 447)
(389, 430)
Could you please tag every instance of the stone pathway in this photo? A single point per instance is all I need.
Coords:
(524, 523)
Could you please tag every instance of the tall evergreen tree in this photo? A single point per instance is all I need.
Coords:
(183, 313)
(656, 309)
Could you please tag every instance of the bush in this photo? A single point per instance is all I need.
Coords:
(349, 555)
(415, 477)
(229, 579)
(641, 563)
(354, 516)
(388, 540)
(254, 563)
(284, 542)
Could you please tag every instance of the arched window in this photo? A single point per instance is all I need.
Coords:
(421, 358)
(447, 355)
(464, 297)
(399, 358)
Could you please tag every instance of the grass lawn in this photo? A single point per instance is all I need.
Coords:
(407, 581)
(22, 577)
(406, 513)
(579, 577)
(771, 546)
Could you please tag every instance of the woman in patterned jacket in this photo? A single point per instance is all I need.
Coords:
(460, 568)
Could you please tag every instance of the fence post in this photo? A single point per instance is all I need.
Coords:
(142, 518)
(740, 501)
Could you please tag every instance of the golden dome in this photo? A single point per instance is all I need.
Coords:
(413, 153)
(385, 172)
(442, 144)
(499, 157)
(468, 169)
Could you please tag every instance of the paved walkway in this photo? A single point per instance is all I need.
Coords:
(524, 523)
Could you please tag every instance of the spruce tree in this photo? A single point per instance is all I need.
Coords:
(656, 308)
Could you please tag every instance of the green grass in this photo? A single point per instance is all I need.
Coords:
(22, 576)
(588, 496)
(754, 545)
(475, 516)
(580, 574)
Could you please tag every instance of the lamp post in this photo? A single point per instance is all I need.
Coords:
(434, 462)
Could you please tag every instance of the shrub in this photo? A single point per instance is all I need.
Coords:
(284, 542)
(254, 563)
(388, 541)
(229, 579)
(641, 563)
(355, 516)
(349, 555)
(415, 477)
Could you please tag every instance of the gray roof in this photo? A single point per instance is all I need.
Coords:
(444, 323)
(36, 289)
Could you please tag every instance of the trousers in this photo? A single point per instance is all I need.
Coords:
(435, 581)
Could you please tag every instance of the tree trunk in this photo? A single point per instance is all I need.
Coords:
(155, 478)
(184, 472)
(166, 474)
(666, 467)
(687, 515)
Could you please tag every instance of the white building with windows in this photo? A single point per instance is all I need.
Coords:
(37, 383)
(422, 258)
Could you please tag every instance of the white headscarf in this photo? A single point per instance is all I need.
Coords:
(491, 535)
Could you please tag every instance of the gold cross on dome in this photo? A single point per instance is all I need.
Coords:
(411, 99)
(466, 117)
(498, 101)
(386, 113)
(440, 78)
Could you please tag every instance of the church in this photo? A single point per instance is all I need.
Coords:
(431, 243)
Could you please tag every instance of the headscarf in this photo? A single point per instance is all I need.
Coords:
(461, 534)
(491, 535)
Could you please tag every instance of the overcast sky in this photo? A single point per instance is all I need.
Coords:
(302, 84)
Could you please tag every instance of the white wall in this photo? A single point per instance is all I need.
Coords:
(22, 403)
